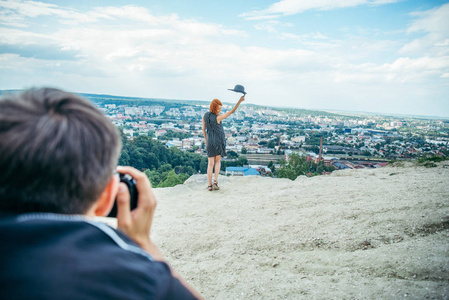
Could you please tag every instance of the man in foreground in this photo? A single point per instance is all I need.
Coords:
(57, 160)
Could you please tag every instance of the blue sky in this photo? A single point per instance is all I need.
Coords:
(387, 56)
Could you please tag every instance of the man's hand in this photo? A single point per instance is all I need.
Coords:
(137, 223)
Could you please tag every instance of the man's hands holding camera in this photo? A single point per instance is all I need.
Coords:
(137, 223)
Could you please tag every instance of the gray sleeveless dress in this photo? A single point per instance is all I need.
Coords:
(216, 141)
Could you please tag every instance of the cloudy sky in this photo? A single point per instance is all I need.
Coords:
(388, 56)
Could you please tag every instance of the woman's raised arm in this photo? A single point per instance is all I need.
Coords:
(227, 114)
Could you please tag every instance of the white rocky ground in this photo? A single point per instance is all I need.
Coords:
(356, 234)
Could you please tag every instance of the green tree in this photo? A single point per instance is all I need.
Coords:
(295, 167)
(154, 177)
(232, 154)
(242, 160)
(272, 168)
(137, 158)
(151, 161)
(173, 179)
(171, 134)
(157, 160)
(366, 153)
(165, 168)
(184, 169)
(124, 158)
(203, 166)
(244, 151)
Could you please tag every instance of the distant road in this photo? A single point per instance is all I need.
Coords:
(262, 159)
(366, 159)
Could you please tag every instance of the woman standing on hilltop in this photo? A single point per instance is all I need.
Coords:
(215, 138)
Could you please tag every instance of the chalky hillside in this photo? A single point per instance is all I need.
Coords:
(355, 234)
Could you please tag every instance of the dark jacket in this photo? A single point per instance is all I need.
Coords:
(52, 256)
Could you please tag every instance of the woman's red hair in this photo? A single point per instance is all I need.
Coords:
(214, 106)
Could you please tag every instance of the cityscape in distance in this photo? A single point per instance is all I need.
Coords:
(255, 130)
(264, 134)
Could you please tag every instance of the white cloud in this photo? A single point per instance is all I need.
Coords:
(134, 13)
(15, 12)
(291, 7)
(272, 26)
(433, 20)
(434, 24)
(29, 8)
(22, 37)
(134, 40)
(404, 69)
(131, 51)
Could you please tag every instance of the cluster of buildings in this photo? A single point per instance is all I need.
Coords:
(258, 130)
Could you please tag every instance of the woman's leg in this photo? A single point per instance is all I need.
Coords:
(210, 168)
(217, 166)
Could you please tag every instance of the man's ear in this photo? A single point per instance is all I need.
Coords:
(107, 198)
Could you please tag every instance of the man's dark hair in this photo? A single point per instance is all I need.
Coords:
(57, 152)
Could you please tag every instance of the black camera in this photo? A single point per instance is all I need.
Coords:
(131, 184)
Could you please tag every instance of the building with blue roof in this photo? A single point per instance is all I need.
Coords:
(340, 166)
(241, 171)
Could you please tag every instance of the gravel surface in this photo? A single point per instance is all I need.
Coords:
(354, 234)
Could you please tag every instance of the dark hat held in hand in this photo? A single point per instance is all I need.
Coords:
(239, 89)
